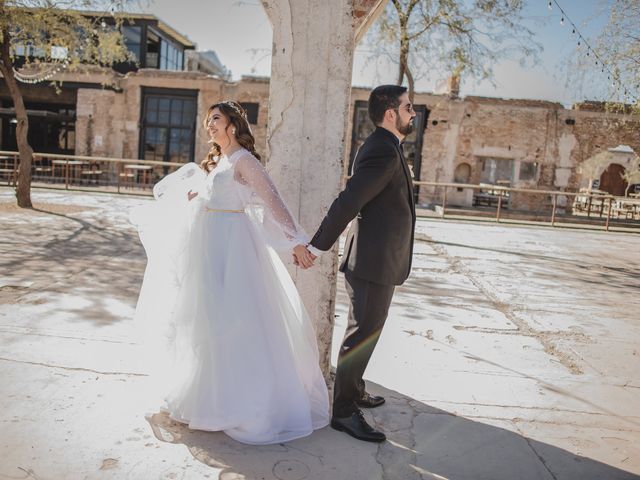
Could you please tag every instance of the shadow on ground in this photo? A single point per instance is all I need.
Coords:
(423, 442)
(72, 255)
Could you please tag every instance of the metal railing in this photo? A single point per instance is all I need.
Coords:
(552, 205)
(78, 172)
(122, 175)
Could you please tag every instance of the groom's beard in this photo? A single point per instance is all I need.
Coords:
(405, 129)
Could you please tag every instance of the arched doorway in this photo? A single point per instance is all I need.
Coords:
(462, 173)
(611, 180)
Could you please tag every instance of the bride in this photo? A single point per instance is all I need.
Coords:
(238, 353)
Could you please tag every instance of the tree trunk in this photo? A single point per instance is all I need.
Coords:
(410, 81)
(23, 184)
(400, 73)
(404, 70)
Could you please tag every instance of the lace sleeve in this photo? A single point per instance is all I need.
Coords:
(250, 172)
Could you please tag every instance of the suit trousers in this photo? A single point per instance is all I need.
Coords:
(369, 306)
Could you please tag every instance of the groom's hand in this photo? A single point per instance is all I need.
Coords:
(303, 257)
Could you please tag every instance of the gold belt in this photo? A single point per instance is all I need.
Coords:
(224, 211)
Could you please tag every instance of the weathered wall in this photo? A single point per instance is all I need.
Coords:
(253, 90)
(458, 131)
(308, 106)
(555, 138)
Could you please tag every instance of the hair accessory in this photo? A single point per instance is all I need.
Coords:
(235, 108)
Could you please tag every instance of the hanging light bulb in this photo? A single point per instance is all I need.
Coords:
(562, 21)
(573, 31)
(549, 6)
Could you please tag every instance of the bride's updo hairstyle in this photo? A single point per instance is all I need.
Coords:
(237, 118)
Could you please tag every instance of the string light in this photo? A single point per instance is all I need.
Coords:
(615, 83)
(39, 77)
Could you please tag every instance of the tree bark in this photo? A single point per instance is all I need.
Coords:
(410, 81)
(23, 184)
(400, 73)
(403, 67)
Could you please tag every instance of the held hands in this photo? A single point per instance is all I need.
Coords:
(302, 257)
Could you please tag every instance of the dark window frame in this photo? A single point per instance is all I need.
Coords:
(62, 120)
(146, 26)
(167, 93)
(253, 110)
(361, 107)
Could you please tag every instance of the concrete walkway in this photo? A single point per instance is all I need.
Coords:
(511, 353)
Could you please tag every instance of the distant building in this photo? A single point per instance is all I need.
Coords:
(154, 111)
(207, 62)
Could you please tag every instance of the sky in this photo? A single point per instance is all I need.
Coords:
(240, 33)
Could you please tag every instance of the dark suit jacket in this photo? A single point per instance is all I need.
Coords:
(380, 242)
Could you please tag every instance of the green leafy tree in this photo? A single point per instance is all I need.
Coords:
(452, 36)
(42, 37)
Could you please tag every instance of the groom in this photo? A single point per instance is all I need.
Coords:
(377, 253)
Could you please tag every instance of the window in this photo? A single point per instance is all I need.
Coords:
(168, 131)
(180, 62)
(153, 49)
(496, 170)
(132, 39)
(51, 128)
(171, 57)
(252, 111)
(412, 144)
(528, 170)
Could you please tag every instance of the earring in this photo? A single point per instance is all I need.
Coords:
(233, 131)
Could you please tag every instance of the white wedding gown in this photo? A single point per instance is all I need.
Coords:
(237, 350)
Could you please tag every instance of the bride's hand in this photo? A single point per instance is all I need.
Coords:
(191, 195)
(303, 257)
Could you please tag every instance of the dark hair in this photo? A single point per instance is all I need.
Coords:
(237, 118)
(383, 98)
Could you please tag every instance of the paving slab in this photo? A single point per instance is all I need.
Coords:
(511, 353)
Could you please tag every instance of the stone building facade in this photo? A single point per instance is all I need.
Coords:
(518, 143)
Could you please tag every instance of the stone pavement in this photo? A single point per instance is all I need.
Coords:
(511, 353)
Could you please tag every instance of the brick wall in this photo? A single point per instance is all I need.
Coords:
(458, 130)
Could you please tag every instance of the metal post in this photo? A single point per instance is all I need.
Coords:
(499, 208)
(118, 171)
(444, 201)
(66, 174)
(589, 205)
(608, 215)
(15, 170)
(553, 212)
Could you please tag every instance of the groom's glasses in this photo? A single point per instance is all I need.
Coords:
(407, 107)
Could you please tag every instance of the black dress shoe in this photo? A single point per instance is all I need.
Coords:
(357, 427)
(369, 401)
